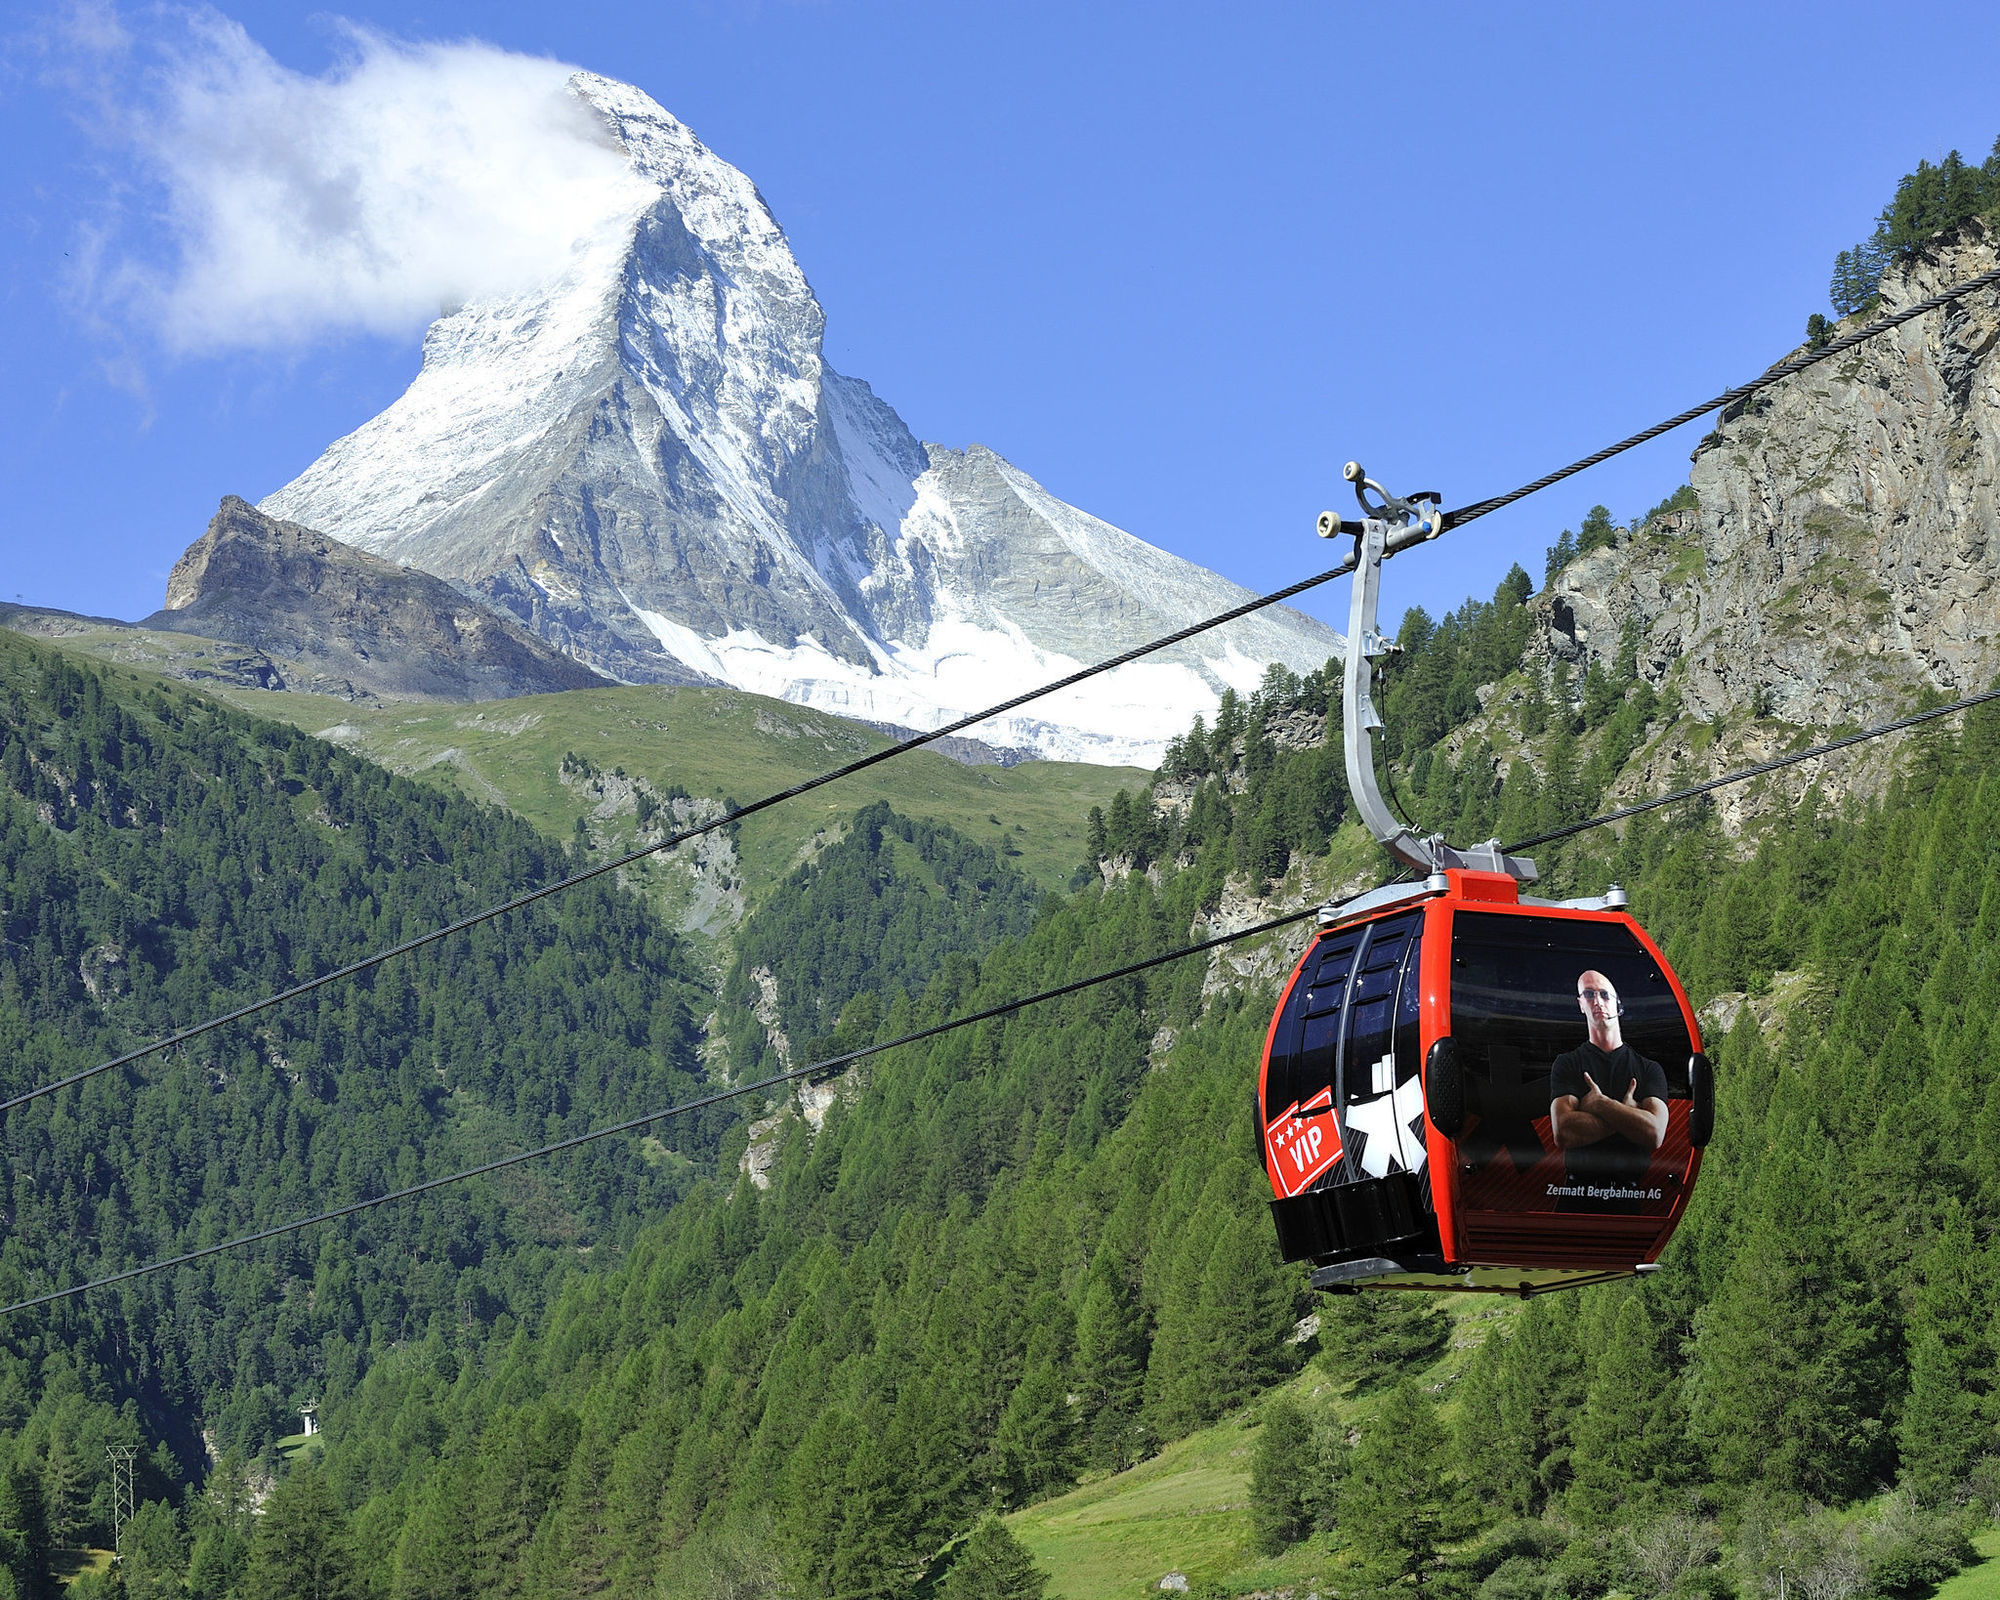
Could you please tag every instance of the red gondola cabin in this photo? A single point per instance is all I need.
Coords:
(1430, 1108)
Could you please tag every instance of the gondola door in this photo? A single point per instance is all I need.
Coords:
(1552, 1011)
(1381, 1083)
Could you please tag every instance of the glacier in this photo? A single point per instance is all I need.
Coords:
(649, 462)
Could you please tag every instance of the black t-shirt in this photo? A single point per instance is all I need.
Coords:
(1614, 1157)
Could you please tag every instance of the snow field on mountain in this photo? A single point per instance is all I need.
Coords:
(655, 443)
(1123, 718)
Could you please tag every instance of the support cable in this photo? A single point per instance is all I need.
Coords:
(1728, 397)
(1694, 790)
(633, 1124)
(1451, 519)
(935, 1030)
(889, 752)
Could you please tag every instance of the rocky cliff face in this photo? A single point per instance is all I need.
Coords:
(1841, 564)
(1844, 559)
(1844, 556)
(651, 465)
(332, 619)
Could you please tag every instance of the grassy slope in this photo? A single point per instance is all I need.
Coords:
(712, 742)
(73, 1564)
(1187, 1509)
(717, 742)
(1981, 1582)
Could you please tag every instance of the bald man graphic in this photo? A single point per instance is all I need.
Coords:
(1607, 1106)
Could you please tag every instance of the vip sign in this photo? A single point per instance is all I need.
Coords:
(1302, 1143)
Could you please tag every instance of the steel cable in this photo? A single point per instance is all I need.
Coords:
(1452, 519)
(633, 1124)
(1729, 397)
(1694, 789)
(935, 1030)
(889, 752)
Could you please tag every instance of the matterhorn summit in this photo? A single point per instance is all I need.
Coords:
(650, 464)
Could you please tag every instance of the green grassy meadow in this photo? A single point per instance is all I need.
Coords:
(70, 1565)
(718, 742)
(1187, 1509)
(1979, 1582)
(711, 742)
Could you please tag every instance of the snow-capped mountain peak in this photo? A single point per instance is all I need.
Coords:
(649, 463)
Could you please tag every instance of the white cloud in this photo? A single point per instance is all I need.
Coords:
(292, 207)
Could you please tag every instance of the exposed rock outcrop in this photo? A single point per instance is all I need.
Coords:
(1844, 556)
(338, 620)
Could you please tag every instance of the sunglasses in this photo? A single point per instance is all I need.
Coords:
(1597, 994)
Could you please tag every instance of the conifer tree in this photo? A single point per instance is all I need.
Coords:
(1517, 1410)
(300, 1549)
(1282, 1468)
(1560, 555)
(639, 1473)
(1562, 797)
(1534, 715)
(1229, 719)
(1226, 1312)
(993, 1565)
(1378, 1339)
(522, 1459)
(1398, 1490)
(65, 1494)
(434, 1554)
(839, 1512)
(1598, 532)
(1110, 1367)
(24, 1528)
(1175, 1398)
(1790, 1355)
(583, 1544)
(1846, 292)
(221, 1523)
(1948, 1418)
(1036, 1430)
(868, 1561)
(1629, 1433)
(1253, 1299)
(151, 1558)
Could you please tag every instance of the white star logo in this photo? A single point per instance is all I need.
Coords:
(1384, 1120)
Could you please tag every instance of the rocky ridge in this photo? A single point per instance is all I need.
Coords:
(1841, 565)
(325, 618)
(1844, 551)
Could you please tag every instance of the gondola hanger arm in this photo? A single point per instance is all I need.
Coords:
(1389, 525)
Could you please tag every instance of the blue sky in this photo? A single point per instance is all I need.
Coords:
(1177, 261)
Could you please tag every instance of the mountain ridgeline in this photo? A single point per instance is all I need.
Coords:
(342, 622)
(651, 464)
